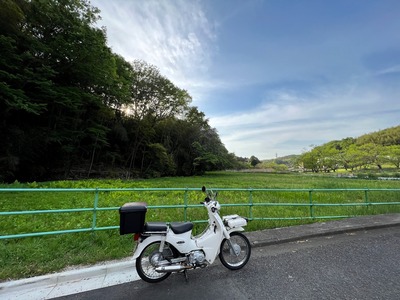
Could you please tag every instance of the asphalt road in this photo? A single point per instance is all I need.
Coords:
(360, 265)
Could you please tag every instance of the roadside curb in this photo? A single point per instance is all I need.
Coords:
(70, 275)
(70, 282)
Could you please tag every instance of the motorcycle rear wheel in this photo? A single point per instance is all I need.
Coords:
(236, 258)
(146, 262)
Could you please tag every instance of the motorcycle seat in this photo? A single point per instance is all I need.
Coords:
(155, 226)
(181, 227)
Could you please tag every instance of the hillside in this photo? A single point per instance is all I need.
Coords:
(370, 150)
(376, 150)
(386, 137)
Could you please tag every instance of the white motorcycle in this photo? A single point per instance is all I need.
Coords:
(165, 248)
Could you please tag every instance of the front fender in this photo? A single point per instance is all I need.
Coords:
(143, 244)
(235, 229)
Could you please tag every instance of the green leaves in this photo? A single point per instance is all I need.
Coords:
(374, 149)
(154, 95)
(70, 106)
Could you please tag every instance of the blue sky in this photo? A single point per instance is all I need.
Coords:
(272, 76)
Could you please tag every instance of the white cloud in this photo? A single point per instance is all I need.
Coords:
(390, 70)
(175, 36)
(290, 123)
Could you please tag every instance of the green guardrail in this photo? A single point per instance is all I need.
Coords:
(251, 204)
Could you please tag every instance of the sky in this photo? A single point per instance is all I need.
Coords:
(274, 77)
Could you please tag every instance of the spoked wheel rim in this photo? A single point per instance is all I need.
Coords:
(146, 264)
(237, 256)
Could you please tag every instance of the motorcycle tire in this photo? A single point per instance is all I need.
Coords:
(145, 263)
(236, 258)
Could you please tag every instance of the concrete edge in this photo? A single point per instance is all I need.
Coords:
(66, 276)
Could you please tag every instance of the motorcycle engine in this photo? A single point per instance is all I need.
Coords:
(197, 258)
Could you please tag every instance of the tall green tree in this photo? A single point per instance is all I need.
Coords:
(154, 98)
(58, 74)
(155, 95)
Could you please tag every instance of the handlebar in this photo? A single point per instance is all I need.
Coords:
(210, 194)
(206, 200)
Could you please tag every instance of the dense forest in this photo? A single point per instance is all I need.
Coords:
(71, 108)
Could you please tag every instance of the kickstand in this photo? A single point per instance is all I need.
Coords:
(184, 272)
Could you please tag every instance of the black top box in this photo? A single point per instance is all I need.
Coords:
(131, 217)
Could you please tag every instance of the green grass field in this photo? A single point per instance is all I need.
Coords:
(26, 257)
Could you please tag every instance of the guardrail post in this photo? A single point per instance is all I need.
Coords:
(311, 203)
(96, 202)
(186, 205)
(366, 197)
(251, 204)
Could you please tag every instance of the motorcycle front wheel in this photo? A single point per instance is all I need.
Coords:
(236, 255)
(146, 263)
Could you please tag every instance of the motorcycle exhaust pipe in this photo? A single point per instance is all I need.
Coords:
(174, 268)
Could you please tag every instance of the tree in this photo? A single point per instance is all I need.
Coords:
(352, 158)
(310, 161)
(58, 84)
(153, 99)
(386, 137)
(328, 156)
(155, 95)
(254, 161)
(392, 155)
(69, 107)
(371, 154)
(160, 162)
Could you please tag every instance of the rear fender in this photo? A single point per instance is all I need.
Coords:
(144, 243)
